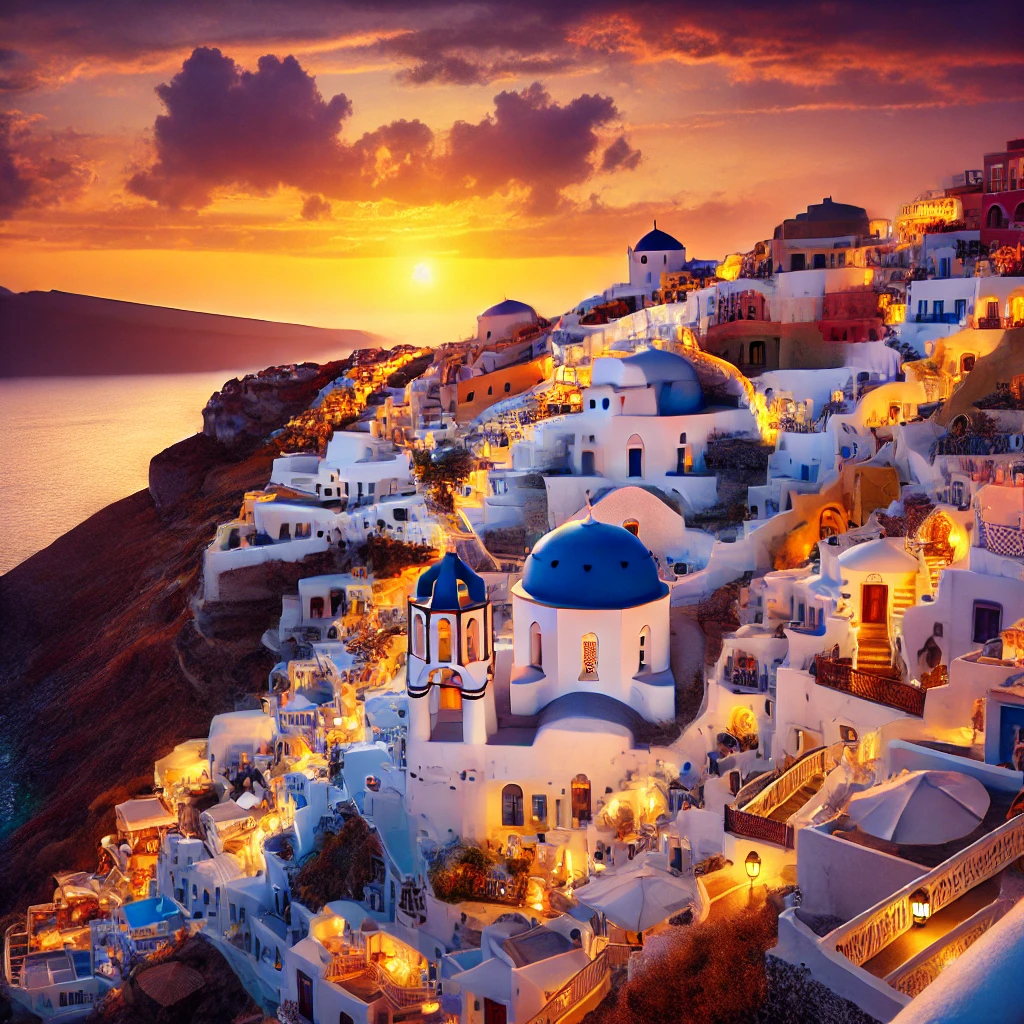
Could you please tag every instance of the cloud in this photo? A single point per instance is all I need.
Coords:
(18, 71)
(37, 169)
(315, 207)
(228, 128)
(620, 155)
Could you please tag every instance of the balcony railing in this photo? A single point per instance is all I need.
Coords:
(815, 762)
(764, 830)
(870, 932)
(837, 675)
(574, 991)
(400, 995)
(913, 977)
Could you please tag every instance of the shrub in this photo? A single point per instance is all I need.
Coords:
(341, 868)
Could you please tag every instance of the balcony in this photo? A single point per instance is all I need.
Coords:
(878, 689)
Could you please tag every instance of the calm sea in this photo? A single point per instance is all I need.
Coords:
(74, 444)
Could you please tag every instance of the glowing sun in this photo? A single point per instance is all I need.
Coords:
(421, 274)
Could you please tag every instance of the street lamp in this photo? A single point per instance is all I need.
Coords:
(920, 907)
(753, 866)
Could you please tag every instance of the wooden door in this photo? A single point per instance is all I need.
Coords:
(874, 603)
(305, 986)
(494, 1013)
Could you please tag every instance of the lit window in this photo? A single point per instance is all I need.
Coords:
(512, 806)
(589, 656)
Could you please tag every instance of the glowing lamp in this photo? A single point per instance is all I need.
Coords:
(920, 907)
(430, 1006)
(337, 723)
(752, 865)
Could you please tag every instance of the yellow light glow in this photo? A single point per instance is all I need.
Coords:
(422, 274)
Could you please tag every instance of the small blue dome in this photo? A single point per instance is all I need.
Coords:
(440, 584)
(509, 306)
(658, 241)
(592, 565)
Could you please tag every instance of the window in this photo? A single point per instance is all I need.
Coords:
(285, 533)
(418, 637)
(490, 390)
(589, 656)
(938, 307)
(633, 526)
(945, 266)
(995, 215)
(539, 803)
(988, 617)
(232, 912)
(400, 515)
(645, 647)
(444, 640)
(303, 530)
(757, 353)
(643, 259)
(508, 386)
(605, 403)
(371, 487)
(922, 307)
(473, 640)
(316, 607)
(472, 394)
(967, 362)
(819, 261)
(536, 646)
(842, 259)
(512, 806)
(960, 309)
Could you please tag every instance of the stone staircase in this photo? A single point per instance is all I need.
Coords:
(935, 563)
(874, 652)
(786, 810)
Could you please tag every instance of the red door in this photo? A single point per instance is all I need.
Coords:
(494, 1013)
(874, 602)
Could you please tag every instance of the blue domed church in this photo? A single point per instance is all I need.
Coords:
(512, 731)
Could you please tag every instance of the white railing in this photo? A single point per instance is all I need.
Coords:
(14, 939)
(913, 977)
(400, 995)
(867, 934)
(814, 763)
(574, 991)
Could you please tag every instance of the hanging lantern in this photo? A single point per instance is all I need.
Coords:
(753, 865)
(920, 907)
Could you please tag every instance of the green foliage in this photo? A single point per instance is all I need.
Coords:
(341, 868)
(442, 472)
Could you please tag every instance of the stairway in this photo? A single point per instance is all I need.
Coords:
(786, 810)
(935, 563)
(874, 653)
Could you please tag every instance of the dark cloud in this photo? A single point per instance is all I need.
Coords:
(315, 207)
(255, 131)
(37, 169)
(620, 156)
(452, 70)
(18, 71)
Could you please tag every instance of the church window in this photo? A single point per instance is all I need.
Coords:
(418, 637)
(589, 656)
(473, 640)
(536, 646)
(645, 647)
(444, 640)
(512, 806)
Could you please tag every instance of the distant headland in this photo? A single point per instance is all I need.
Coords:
(49, 334)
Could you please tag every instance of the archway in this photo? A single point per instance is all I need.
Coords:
(635, 455)
(996, 218)
(831, 523)
(444, 640)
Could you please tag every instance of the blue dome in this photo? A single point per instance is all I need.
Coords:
(440, 584)
(509, 306)
(657, 241)
(592, 565)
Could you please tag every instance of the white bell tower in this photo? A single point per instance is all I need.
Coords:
(451, 656)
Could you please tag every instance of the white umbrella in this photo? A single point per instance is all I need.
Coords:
(921, 808)
(638, 899)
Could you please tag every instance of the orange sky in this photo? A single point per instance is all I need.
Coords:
(405, 135)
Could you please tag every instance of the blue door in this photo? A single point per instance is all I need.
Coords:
(636, 462)
(1011, 733)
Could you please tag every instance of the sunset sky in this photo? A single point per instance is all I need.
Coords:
(397, 166)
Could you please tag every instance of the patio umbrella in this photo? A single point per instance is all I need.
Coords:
(922, 808)
(638, 899)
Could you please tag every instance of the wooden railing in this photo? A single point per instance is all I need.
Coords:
(400, 995)
(578, 987)
(913, 977)
(344, 964)
(15, 951)
(837, 675)
(867, 934)
(618, 953)
(753, 826)
(815, 762)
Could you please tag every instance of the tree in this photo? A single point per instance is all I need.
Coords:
(342, 867)
(442, 472)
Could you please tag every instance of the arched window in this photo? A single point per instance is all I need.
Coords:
(581, 798)
(635, 455)
(473, 640)
(645, 648)
(444, 640)
(589, 656)
(633, 526)
(512, 806)
(536, 646)
(1018, 214)
(995, 216)
(757, 353)
(419, 637)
